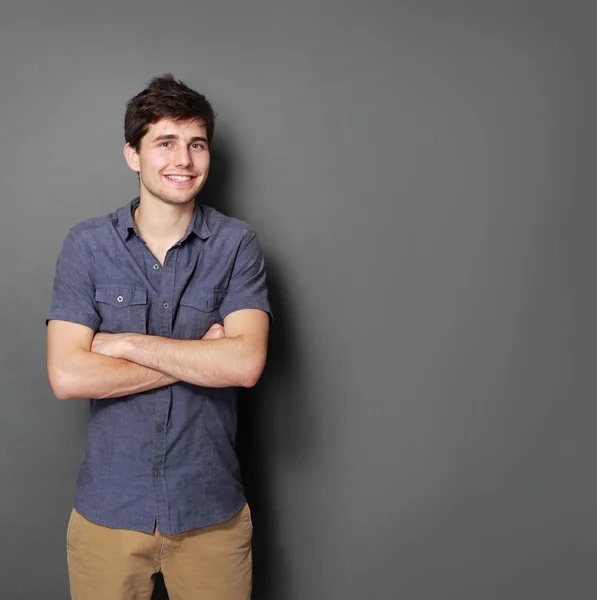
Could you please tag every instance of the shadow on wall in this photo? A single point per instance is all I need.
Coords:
(278, 393)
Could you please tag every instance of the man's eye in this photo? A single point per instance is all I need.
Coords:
(198, 146)
(166, 144)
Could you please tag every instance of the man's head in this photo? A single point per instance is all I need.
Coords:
(168, 128)
(165, 98)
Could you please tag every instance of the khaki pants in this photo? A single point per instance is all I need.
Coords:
(210, 563)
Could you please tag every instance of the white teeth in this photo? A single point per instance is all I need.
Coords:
(179, 177)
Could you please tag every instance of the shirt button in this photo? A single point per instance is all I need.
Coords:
(165, 305)
(156, 473)
(156, 267)
(120, 299)
(159, 429)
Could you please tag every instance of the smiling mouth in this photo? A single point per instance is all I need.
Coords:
(179, 178)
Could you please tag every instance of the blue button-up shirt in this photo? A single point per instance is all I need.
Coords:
(164, 457)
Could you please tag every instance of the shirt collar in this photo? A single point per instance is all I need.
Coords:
(198, 224)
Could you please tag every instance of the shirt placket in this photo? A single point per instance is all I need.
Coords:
(163, 307)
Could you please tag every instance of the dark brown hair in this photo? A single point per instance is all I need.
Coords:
(165, 97)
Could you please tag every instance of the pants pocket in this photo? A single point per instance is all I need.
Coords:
(69, 529)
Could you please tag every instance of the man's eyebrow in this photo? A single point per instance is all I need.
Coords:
(173, 136)
(169, 136)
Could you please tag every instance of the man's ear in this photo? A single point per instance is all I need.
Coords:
(132, 157)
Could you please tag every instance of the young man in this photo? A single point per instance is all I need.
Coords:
(159, 312)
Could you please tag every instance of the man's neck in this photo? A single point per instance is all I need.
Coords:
(162, 224)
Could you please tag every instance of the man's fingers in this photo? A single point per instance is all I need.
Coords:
(214, 332)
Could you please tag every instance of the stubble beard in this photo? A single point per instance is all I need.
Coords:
(163, 195)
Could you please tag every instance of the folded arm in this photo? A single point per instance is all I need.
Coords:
(75, 371)
(82, 364)
(236, 360)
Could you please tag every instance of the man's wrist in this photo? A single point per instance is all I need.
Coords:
(128, 345)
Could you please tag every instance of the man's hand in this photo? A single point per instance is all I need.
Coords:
(109, 344)
(112, 344)
(215, 332)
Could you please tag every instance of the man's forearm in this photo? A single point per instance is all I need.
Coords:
(225, 362)
(91, 375)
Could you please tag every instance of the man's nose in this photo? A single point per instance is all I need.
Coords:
(182, 157)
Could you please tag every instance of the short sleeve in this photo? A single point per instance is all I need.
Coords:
(247, 286)
(73, 296)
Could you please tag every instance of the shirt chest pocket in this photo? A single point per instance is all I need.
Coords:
(198, 311)
(123, 309)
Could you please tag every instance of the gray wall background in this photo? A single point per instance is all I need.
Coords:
(422, 177)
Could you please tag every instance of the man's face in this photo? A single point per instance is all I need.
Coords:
(172, 160)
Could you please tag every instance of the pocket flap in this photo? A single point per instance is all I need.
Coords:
(204, 300)
(120, 295)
